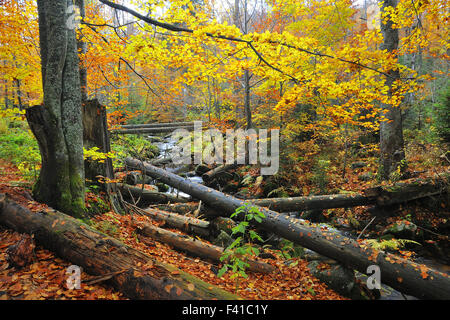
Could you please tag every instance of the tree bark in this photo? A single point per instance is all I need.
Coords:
(161, 161)
(57, 124)
(391, 131)
(396, 272)
(313, 202)
(183, 223)
(82, 50)
(147, 196)
(197, 247)
(381, 196)
(209, 176)
(142, 278)
(95, 134)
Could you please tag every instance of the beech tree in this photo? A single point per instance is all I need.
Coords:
(391, 131)
(57, 124)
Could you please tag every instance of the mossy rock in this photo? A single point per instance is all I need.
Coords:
(337, 277)
(403, 229)
(223, 239)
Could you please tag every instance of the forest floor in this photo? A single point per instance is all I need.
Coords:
(46, 277)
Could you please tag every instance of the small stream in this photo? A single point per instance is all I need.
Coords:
(165, 146)
(387, 293)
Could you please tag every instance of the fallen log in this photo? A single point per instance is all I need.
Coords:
(209, 176)
(157, 125)
(401, 274)
(160, 161)
(147, 196)
(187, 224)
(98, 254)
(189, 207)
(380, 196)
(180, 208)
(314, 202)
(404, 192)
(149, 130)
(197, 247)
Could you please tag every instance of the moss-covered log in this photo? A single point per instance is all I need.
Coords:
(197, 247)
(99, 254)
(401, 274)
(403, 192)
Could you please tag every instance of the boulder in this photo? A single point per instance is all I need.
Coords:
(403, 229)
(338, 278)
(223, 239)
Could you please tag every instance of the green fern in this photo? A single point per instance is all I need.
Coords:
(393, 244)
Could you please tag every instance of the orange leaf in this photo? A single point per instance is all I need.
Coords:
(191, 287)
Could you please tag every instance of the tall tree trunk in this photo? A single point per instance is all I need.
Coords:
(19, 94)
(57, 125)
(391, 131)
(82, 49)
(247, 107)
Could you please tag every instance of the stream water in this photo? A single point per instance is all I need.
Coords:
(165, 147)
(387, 293)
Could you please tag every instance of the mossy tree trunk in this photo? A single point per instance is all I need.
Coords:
(57, 124)
(391, 132)
(95, 134)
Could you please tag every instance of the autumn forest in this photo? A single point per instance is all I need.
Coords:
(236, 150)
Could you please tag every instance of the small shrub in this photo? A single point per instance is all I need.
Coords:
(320, 175)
